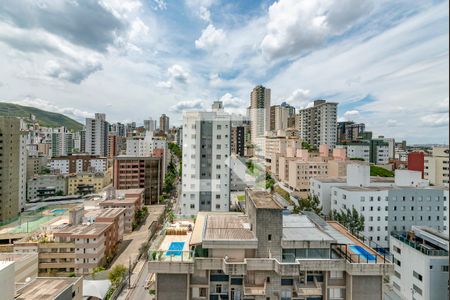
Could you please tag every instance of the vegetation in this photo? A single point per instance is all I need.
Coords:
(171, 177)
(117, 274)
(381, 172)
(170, 215)
(350, 219)
(140, 216)
(59, 193)
(270, 182)
(357, 158)
(306, 146)
(283, 193)
(45, 118)
(311, 203)
(241, 198)
(176, 150)
(97, 270)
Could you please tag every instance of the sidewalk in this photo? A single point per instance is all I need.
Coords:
(135, 275)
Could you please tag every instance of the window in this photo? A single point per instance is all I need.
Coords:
(417, 276)
(417, 289)
(269, 237)
(444, 269)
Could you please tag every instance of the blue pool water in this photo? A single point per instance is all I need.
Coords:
(175, 249)
(58, 211)
(363, 253)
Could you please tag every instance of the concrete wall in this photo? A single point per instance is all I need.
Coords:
(171, 286)
(367, 287)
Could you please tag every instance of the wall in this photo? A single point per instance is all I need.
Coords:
(171, 286)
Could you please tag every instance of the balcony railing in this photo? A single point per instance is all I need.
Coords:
(419, 246)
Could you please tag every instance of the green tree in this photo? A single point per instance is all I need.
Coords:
(97, 270)
(349, 218)
(308, 204)
(117, 274)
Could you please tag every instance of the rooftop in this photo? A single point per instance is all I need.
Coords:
(263, 200)
(45, 288)
(117, 201)
(228, 227)
(300, 228)
(104, 213)
(92, 230)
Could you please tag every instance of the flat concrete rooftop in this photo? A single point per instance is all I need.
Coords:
(228, 227)
(45, 288)
(263, 200)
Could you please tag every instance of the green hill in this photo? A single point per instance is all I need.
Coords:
(44, 118)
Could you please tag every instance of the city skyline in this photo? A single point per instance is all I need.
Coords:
(167, 56)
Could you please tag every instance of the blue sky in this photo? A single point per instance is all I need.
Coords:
(384, 62)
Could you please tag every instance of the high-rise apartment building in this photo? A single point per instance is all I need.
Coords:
(164, 123)
(279, 116)
(97, 135)
(150, 125)
(349, 131)
(437, 166)
(73, 164)
(13, 166)
(206, 154)
(62, 142)
(259, 112)
(117, 129)
(133, 172)
(238, 140)
(317, 124)
(267, 254)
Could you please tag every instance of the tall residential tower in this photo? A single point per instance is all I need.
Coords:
(97, 135)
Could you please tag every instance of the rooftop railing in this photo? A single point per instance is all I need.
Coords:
(419, 246)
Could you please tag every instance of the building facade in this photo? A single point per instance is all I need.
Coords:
(266, 254)
(206, 155)
(97, 135)
(259, 112)
(13, 167)
(74, 164)
(134, 172)
(164, 123)
(437, 167)
(43, 186)
(421, 264)
(317, 124)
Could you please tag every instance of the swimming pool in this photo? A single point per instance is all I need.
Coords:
(363, 253)
(175, 249)
(58, 211)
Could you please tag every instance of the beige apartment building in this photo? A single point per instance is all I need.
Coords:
(131, 200)
(87, 183)
(265, 254)
(76, 248)
(13, 166)
(25, 266)
(436, 166)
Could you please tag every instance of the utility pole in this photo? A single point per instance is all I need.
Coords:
(129, 272)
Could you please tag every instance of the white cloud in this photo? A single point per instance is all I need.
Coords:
(183, 106)
(201, 8)
(298, 25)
(178, 73)
(229, 101)
(46, 105)
(210, 38)
(435, 120)
(299, 98)
(350, 115)
(165, 84)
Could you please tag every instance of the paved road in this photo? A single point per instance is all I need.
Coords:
(134, 240)
(139, 292)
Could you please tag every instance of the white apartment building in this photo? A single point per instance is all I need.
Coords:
(78, 164)
(317, 124)
(356, 150)
(97, 135)
(420, 264)
(410, 201)
(437, 166)
(391, 146)
(206, 154)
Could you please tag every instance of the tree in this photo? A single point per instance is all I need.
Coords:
(117, 274)
(308, 204)
(350, 219)
(97, 270)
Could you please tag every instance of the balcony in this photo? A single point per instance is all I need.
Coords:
(310, 289)
(251, 289)
(163, 262)
(234, 267)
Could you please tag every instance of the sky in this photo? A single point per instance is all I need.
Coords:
(385, 62)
